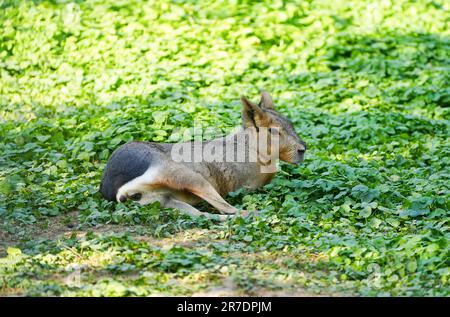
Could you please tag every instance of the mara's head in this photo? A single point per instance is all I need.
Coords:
(263, 115)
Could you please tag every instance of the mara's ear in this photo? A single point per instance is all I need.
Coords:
(266, 100)
(252, 114)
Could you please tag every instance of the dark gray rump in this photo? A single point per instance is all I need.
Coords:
(129, 161)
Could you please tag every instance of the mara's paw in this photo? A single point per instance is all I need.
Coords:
(240, 213)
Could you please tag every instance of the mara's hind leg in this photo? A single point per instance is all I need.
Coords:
(179, 177)
(192, 211)
(174, 179)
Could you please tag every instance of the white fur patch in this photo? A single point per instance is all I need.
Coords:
(137, 185)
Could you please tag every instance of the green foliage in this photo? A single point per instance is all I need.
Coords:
(365, 83)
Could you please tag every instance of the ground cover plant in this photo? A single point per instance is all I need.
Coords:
(365, 83)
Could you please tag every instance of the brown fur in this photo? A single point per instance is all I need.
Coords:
(181, 185)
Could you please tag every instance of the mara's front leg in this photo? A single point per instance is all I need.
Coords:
(190, 210)
(169, 199)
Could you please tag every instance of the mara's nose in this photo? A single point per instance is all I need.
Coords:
(122, 198)
(304, 146)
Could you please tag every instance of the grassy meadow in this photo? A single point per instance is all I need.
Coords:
(366, 84)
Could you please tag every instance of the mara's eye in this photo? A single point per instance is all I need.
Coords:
(135, 197)
(274, 130)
